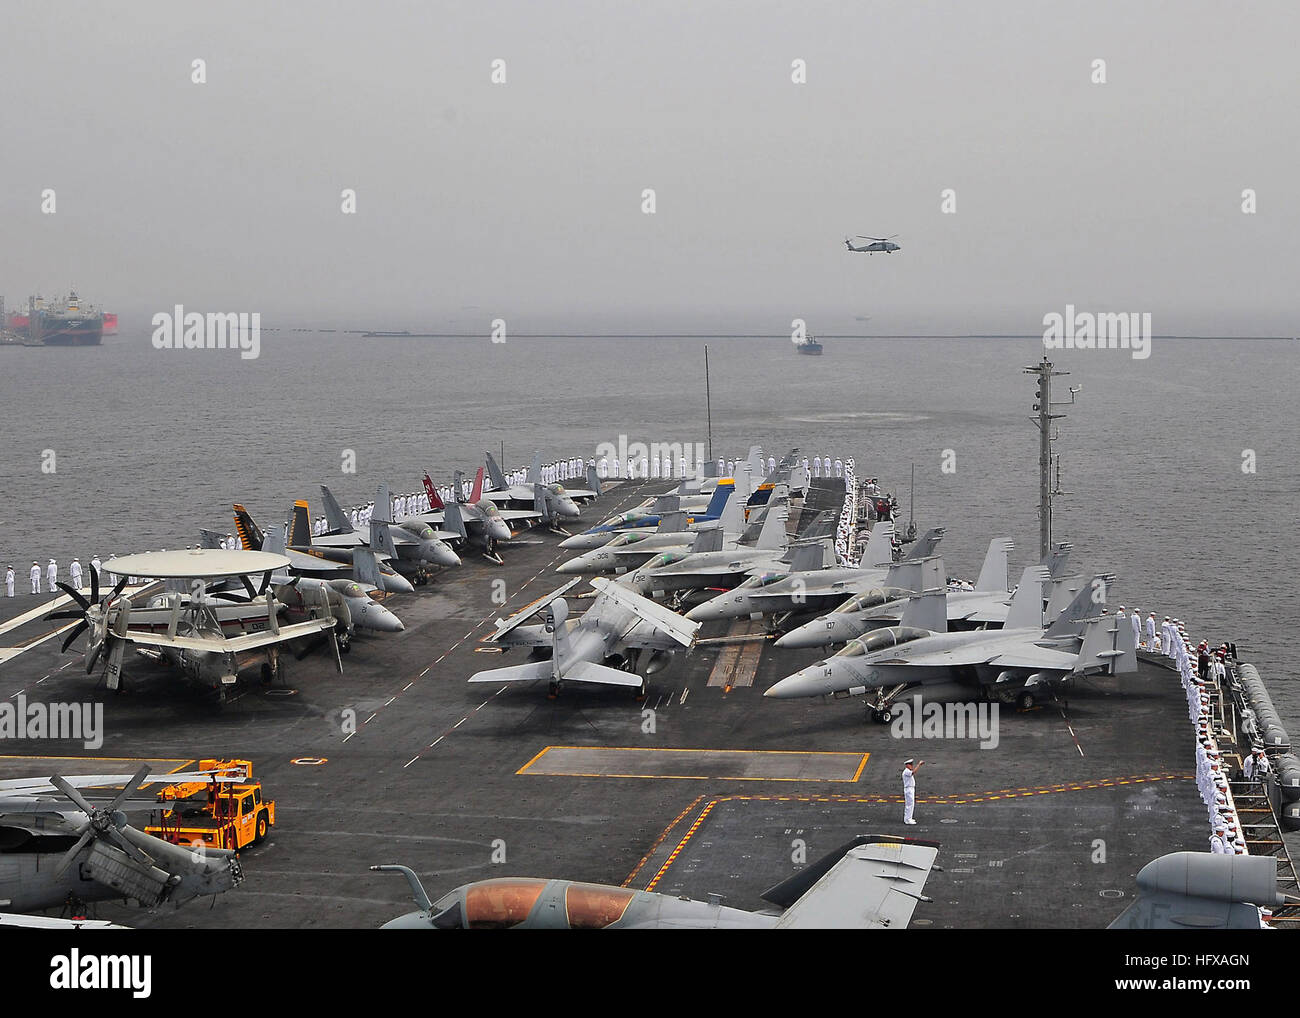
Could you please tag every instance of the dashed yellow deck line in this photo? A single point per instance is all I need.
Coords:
(672, 858)
(663, 835)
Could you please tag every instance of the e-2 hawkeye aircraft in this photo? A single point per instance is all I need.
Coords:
(868, 883)
(194, 639)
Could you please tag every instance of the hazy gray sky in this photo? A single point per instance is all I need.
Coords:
(523, 200)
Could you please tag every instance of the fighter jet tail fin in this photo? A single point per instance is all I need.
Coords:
(210, 539)
(381, 539)
(593, 479)
(299, 525)
(383, 510)
(476, 492)
(1058, 559)
(672, 523)
(993, 574)
(365, 569)
(925, 545)
(916, 575)
(335, 518)
(535, 468)
(1025, 610)
(1087, 603)
(250, 534)
(731, 515)
(880, 545)
(772, 535)
(496, 476)
(718, 501)
(707, 539)
(927, 610)
(542, 502)
(666, 504)
(435, 500)
(274, 541)
(869, 883)
(1108, 642)
(452, 519)
(805, 557)
(1062, 592)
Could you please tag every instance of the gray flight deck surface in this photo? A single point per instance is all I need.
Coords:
(1048, 829)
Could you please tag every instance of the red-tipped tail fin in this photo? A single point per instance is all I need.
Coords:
(434, 501)
(476, 492)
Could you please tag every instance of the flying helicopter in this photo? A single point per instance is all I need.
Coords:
(885, 244)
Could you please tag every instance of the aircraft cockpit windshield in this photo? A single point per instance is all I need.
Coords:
(500, 904)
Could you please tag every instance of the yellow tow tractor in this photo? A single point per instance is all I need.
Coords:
(226, 811)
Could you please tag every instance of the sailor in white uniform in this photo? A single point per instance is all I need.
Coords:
(74, 571)
(910, 767)
(1137, 625)
(9, 582)
(1151, 630)
(36, 578)
(52, 576)
(1219, 840)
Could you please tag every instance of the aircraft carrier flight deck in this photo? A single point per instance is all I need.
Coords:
(704, 788)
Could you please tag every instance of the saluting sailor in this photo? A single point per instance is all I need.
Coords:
(910, 767)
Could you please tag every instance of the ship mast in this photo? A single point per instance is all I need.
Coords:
(1046, 436)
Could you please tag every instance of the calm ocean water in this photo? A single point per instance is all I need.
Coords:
(151, 445)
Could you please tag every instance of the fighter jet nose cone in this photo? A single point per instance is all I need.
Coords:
(569, 568)
(571, 542)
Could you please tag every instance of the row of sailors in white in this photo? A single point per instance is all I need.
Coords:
(50, 574)
(822, 467)
(844, 532)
